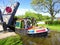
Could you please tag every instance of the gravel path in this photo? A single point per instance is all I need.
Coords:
(7, 34)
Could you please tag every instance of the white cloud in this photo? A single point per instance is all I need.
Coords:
(45, 14)
(23, 11)
(58, 15)
(2, 8)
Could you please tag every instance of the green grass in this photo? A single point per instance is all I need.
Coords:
(13, 40)
(52, 27)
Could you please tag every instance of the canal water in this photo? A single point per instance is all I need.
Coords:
(53, 38)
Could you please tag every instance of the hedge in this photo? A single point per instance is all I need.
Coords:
(54, 22)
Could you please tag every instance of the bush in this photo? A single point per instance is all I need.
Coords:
(48, 22)
(54, 23)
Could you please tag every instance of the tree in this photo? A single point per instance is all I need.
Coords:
(39, 16)
(50, 6)
(31, 14)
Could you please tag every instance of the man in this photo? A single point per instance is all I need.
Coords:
(33, 20)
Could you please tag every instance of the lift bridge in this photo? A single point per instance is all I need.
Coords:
(7, 20)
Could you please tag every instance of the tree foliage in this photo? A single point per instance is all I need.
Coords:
(38, 17)
(50, 6)
(30, 14)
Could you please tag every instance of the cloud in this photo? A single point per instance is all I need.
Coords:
(58, 15)
(23, 11)
(2, 8)
(20, 11)
(45, 14)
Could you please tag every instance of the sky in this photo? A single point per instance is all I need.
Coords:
(25, 5)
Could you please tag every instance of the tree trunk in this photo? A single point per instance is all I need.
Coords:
(52, 18)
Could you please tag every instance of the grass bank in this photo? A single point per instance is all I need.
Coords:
(13, 40)
(52, 27)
